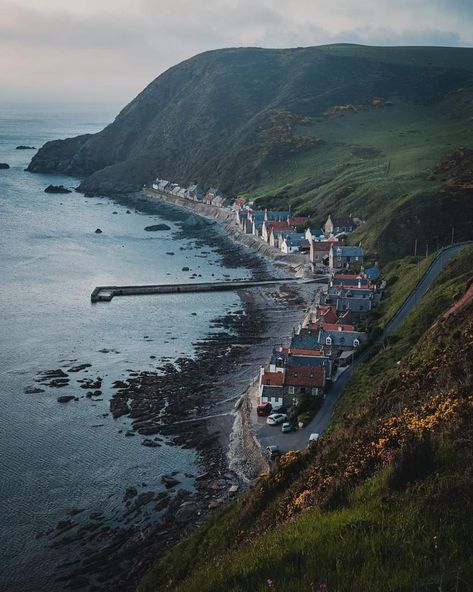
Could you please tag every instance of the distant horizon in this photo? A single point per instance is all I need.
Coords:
(104, 51)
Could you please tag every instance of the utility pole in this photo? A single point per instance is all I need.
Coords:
(415, 248)
(453, 233)
(427, 250)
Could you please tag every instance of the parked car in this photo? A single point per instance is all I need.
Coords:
(276, 418)
(273, 452)
(313, 438)
(287, 427)
(264, 409)
(281, 409)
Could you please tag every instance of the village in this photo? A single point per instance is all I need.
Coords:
(292, 387)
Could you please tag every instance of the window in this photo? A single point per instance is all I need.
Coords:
(328, 341)
(311, 375)
(291, 390)
(315, 391)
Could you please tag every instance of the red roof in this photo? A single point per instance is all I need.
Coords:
(298, 221)
(336, 327)
(273, 378)
(324, 245)
(277, 225)
(301, 352)
(302, 376)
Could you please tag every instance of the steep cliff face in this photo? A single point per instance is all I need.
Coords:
(229, 116)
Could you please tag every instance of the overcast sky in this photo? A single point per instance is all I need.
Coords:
(108, 50)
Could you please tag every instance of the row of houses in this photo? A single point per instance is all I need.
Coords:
(323, 346)
(282, 230)
(293, 234)
(194, 192)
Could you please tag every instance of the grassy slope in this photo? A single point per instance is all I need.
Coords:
(376, 164)
(380, 503)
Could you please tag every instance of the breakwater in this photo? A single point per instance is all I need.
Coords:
(106, 293)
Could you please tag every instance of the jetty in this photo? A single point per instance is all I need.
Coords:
(106, 293)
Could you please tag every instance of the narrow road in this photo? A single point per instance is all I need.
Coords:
(272, 435)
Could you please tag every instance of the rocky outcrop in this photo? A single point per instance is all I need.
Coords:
(156, 227)
(22, 147)
(57, 189)
(4, 165)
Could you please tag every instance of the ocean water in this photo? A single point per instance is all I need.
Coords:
(57, 457)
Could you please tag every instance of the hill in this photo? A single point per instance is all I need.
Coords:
(353, 129)
(378, 503)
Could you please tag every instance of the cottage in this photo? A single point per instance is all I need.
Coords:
(316, 235)
(340, 340)
(300, 380)
(273, 395)
(271, 226)
(320, 250)
(239, 203)
(292, 243)
(345, 257)
(336, 225)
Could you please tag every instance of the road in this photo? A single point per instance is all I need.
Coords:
(272, 435)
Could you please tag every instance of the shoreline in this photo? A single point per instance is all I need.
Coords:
(193, 393)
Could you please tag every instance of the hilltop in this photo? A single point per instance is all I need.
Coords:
(380, 132)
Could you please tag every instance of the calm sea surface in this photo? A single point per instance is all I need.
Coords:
(56, 457)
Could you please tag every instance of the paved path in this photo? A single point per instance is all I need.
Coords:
(269, 435)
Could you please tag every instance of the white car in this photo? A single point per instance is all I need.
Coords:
(313, 438)
(276, 418)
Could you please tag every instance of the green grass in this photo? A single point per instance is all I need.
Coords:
(403, 528)
(389, 186)
(370, 545)
(448, 286)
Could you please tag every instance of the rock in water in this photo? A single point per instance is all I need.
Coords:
(65, 398)
(156, 227)
(21, 147)
(4, 165)
(57, 189)
(98, 231)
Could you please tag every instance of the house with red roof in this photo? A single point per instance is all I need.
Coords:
(300, 380)
(320, 251)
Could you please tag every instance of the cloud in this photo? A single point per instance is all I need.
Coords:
(110, 49)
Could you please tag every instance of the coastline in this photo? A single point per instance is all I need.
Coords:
(229, 452)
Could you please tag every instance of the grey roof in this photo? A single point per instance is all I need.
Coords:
(348, 251)
(341, 338)
(271, 391)
(277, 215)
(307, 361)
(305, 341)
(372, 273)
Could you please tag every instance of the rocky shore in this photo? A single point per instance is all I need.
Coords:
(188, 402)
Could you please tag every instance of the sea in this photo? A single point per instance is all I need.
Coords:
(56, 457)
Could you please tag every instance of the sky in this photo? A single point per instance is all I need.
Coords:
(106, 51)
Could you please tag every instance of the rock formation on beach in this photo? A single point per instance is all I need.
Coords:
(57, 189)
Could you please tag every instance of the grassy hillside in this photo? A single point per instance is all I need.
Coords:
(380, 502)
(337, 128)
